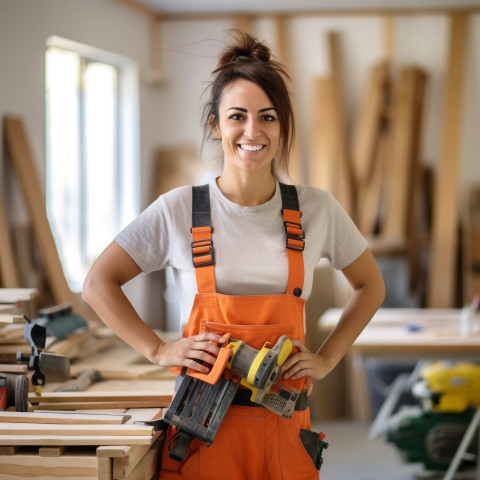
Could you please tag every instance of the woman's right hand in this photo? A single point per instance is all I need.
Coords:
(196, 352)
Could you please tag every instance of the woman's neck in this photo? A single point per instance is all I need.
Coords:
(247, 190)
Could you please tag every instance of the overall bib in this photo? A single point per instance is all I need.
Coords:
(252, 443)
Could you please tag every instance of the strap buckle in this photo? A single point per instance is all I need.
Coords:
(295, 235)
(202, 253)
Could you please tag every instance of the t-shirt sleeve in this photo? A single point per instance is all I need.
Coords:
(146, 239)
(344, 242)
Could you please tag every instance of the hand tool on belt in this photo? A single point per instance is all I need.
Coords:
(202, 400)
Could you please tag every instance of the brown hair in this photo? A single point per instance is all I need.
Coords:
(248, 58)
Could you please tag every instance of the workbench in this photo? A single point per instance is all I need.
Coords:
(400, 334)
(81, 450)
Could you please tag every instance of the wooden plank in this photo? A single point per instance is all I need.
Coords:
(389, 36)
(154, 74)
(244, 23)
(23, 300)
(53, 397)
(13, 369)
(147, 468)
(102, 405)
(470, 217)
(105, 468)
(13, 331)
(66, 429)
(295, 164)
(322, 166)
(47, 440)
(370, 195)
(7, 319)
(12, 295)
(403, 157)
(367, 123)
(417, 228)
(26, 168)
(62, 418)
(369, 143)
(8, 450)
(123, 465)
(52, 451)
(8, 271)
(345, 192)
(127, 372)
(444, 242)
(27, 465)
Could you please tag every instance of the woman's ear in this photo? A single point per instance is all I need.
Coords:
(214, 126)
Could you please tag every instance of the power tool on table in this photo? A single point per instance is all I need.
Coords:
(13, 392)
(202, 400)
(431, 431)
(51, 366)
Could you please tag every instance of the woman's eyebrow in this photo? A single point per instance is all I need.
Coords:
(245, 110)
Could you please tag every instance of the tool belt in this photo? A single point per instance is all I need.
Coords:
(242, 399)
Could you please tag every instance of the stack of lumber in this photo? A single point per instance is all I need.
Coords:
(375, 167)
(17, 302)
(79, 445)
(90, 434)
(374, 170)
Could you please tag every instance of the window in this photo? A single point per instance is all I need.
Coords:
(91, 154)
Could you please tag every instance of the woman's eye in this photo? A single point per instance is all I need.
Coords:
(236, 116)
(268, 118)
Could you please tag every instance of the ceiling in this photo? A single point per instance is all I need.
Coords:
(284, 6)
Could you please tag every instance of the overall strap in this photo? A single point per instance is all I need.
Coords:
(295, 239)
(202, 244)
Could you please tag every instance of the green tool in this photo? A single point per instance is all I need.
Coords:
(60, 320)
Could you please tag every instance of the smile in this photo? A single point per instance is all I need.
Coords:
(251, 148)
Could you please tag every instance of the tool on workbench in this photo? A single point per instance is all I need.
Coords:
(202, 400)
(60, 320)
(430, 432)
(13, 392)
(51, 366)
(84, 379)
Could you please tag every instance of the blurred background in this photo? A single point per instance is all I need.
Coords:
(102, 98)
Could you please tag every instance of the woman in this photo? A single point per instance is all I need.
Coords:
(250, 273)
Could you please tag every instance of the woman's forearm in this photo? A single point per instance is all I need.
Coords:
(368, 295)
(111, 304)
(103, 292)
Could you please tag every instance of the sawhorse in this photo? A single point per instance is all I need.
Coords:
(461, 452)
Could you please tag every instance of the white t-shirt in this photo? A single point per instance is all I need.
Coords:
(249, 242)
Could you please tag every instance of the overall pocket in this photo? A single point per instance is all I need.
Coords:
(254, 335)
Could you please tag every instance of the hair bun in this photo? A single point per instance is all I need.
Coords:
(244, 48)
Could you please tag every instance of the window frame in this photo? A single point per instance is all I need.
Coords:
(126, 158)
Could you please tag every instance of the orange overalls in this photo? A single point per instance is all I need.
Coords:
(252, 443)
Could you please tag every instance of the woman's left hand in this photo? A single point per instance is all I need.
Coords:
(305, 363)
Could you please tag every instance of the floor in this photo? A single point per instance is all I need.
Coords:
(352, 456)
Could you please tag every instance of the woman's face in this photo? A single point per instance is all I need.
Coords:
(248, 126)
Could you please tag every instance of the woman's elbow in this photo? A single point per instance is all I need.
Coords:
(381, 292)
(87, 289)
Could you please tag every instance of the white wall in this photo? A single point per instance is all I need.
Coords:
(170, 111)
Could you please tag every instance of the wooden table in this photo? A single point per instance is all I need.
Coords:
(401, 334)
(88, 453)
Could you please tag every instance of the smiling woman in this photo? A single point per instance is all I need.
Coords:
(252, 62)
(243, 250)
(248, 126)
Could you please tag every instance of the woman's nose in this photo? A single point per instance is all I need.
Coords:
(251, 128)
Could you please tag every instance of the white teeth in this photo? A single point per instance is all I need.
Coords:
(251, 148)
